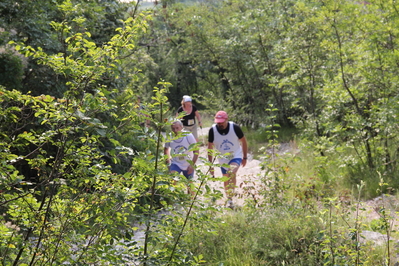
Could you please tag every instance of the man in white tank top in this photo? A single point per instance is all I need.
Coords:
(178, 152)
(229, 140)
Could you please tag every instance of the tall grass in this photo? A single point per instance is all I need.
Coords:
(249, 237)
(310, 214)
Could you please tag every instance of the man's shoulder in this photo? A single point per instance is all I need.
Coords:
(191, 138)
(187, 133)
(236, 125)
(238, 130)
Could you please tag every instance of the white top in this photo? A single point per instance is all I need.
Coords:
(228, 145)
(179, 150)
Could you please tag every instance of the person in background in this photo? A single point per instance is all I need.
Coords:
(229, 140)
(190, 114)
(179, 154)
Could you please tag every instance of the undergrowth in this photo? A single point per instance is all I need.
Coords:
(302, 212)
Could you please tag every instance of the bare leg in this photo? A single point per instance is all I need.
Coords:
(173, 180)
(189, 191)
(230, 184)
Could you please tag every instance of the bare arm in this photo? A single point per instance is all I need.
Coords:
(166, 151)
(197, 114)
(195, 157)
(210, 157)
(244, 146)
(194, 160)
(210, 148)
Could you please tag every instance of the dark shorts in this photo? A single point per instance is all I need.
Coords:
(235, 160)
(174, 167)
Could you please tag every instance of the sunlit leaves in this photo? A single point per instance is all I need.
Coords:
(65, 186)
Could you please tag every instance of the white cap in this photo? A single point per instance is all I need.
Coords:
(187, 98)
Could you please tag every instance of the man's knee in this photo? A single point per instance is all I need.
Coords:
(233, 168)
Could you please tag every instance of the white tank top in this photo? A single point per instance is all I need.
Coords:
(179, 150)
(228, 145)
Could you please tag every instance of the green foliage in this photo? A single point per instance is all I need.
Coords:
(74, 198)
(33, 23)
(57, 189)
(261, 237)
(63, 200)
(11, 70)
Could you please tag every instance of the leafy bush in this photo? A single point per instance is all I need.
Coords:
(11, 70)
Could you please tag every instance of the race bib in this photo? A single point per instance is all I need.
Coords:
(228, 157)
(190, 122)
(180, 153)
